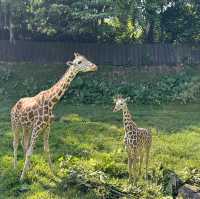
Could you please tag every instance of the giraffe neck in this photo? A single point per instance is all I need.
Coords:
(127, 119)
(58, 90)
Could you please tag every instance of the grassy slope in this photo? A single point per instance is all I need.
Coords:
(92, 136)
(93, 140)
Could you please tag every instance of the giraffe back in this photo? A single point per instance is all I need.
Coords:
(30, 110)
(137, 139)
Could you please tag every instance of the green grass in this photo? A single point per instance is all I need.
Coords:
(85, 139)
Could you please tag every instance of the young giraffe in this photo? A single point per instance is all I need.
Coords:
(34, 114)
(137, 140)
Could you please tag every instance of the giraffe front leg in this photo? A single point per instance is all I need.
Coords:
(130, 162)
(29, 152)
(135, 168)
(147, 161)
(46, 148)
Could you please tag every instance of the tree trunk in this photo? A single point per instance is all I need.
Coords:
(10, 25)
(11, 31)
(161, 25)
(149, 32)
(150, 37)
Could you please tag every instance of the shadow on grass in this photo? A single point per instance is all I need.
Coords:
(166, 118)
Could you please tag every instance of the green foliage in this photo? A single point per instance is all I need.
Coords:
(83, 19)
(187, 28)
(180, 87)
(102, 20)
(99, 88)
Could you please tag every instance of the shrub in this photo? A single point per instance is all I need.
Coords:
(181, 87)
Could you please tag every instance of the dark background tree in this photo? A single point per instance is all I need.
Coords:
(144, 21)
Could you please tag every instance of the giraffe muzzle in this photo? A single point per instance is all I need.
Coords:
(94, 67)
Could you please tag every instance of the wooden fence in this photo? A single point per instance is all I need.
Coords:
(105, 54)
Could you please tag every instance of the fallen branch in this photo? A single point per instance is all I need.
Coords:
(86, 182)
(188, 191)
(177, 188)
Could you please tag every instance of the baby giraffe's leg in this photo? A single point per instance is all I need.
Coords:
(130, 163)
(141, 161)
(135, 166)
(46, 147)
(147, 160)
(134, 170)
(29, 152)
(15, 145)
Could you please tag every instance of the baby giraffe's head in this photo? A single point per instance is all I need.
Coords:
(82, 64)
(120, 103)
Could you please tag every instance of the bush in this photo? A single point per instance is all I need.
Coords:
(182, 87)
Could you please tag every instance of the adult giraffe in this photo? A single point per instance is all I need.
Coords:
(34, 114)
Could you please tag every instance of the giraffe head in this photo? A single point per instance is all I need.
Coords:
(120, 103)
(81, 64)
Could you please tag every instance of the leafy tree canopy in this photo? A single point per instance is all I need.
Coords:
(101, 20)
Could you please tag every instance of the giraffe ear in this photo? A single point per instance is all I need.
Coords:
(76, 54)
(69, 63)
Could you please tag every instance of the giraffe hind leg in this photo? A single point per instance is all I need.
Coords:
(29, 152)
(141, 161)
(26, 139)
(15, 144)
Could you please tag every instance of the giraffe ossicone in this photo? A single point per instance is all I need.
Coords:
(34, 115)
(137, 140)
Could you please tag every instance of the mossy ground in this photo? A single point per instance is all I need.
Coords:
(89, 138)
